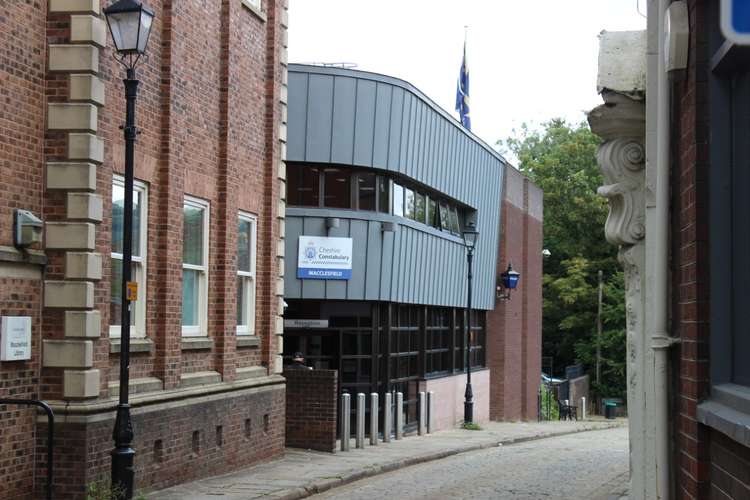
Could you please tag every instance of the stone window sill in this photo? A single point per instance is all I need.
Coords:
(197, 343)
(136, 345)
(252, 8)
(248, 341)
(728, 411)
(12, 254)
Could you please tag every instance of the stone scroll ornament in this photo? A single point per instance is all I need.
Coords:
(622, 164)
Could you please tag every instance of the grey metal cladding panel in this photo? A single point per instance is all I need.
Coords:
(344, 99)
(314, 289)
(396, 123)
(364, 122)
(319, 118)
(404, 150)
(292, 286)
(386, 268)
(410, 167)
(382, 120)
(297, 118)
(376, 243)
(336, 289)
(358, 232)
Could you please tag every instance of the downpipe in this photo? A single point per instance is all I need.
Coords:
(660, 339)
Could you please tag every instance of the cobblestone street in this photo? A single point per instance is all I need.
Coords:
(589, 465)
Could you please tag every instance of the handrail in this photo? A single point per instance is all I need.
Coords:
(50, 433)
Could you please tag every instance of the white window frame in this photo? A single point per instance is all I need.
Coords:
(200, 330)
(249, 278)
(138, 266)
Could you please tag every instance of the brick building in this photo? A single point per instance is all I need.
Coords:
(681, 160)
(205, 355)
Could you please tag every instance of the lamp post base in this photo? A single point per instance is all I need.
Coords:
(468, 405)
(123, 471)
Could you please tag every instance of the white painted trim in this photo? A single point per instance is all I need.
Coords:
(201, 329)
(138, 330)
(249, 281)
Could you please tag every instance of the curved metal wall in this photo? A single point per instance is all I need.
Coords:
(373, 121)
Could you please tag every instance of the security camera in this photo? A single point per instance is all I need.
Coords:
(546, 253)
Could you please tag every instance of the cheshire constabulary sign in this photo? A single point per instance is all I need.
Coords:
(735, 21)
(324, 258)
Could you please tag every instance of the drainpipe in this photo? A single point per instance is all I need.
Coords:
(660, 339)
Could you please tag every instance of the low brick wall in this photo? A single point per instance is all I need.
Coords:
(311, 409)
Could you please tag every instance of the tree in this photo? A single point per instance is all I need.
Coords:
(561, 159)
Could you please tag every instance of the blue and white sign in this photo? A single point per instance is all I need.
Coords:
(324, 258)
(735, 20)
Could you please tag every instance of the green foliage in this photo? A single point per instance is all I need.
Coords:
(561, 159)
(102, 490)
(550, 410)
(471, 426)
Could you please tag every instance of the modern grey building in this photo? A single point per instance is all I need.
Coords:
(380, 184)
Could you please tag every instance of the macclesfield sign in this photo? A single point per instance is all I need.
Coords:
(322, 258)
(735, 21)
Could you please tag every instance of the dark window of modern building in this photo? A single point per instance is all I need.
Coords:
(337, 188)
(477, 339)
(419, 207)
(459, 333)
(384, 194)
(438, 341)
(433, 217)
(366, 191)
(409, 203)
(303, 185)
(454, 225)
(398, 200)
(444, 217)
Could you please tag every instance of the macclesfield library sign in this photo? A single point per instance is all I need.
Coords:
(324, 258)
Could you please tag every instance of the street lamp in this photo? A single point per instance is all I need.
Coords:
(470, 240)
(129, 23)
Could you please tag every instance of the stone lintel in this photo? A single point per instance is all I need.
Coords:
(83, 265)
(69, 294)
(71, 176)
(74, 58)
(70, 236)
(88, 88)
(67, 353)
(88, 28)
(85, 206)
(80, 384)
(85, 324)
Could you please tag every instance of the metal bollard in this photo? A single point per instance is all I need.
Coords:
(387, 417)
(345, 431)
(360, 438)
(374, 419)
(583, 408)
(430, 411)
(399, 415)
(422, 414)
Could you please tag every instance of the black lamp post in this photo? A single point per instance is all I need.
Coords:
(470, 240)
(129, 23)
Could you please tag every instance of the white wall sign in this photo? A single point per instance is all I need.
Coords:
(305, 323)
(324, 258)
(15, 338)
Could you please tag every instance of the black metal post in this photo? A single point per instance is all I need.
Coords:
(123, 472)
(468, 395)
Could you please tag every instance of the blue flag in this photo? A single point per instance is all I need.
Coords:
(462, 93)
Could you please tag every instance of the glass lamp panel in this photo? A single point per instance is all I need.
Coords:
(145, 30)
(190, 297)
(192, 242)
(244, 237)
(124, 27)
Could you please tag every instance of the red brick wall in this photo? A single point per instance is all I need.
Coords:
(514, 327)
(690, 264)
(251, 428)
(730, 468)
(311, 409)
(19, 380)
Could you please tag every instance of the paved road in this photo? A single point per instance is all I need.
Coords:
(588, 465)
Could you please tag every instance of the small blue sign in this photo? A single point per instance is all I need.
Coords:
(323, 274)
(735, 21)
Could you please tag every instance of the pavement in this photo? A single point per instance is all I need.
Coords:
(302, 473)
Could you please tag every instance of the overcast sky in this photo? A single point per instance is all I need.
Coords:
(529, 60)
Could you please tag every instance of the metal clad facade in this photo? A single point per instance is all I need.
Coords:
(373, 121)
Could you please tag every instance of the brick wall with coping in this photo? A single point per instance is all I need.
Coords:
(311, 402)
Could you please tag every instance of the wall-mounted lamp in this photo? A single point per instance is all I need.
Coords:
(332, 223)
(27, 229)
(508, 281)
